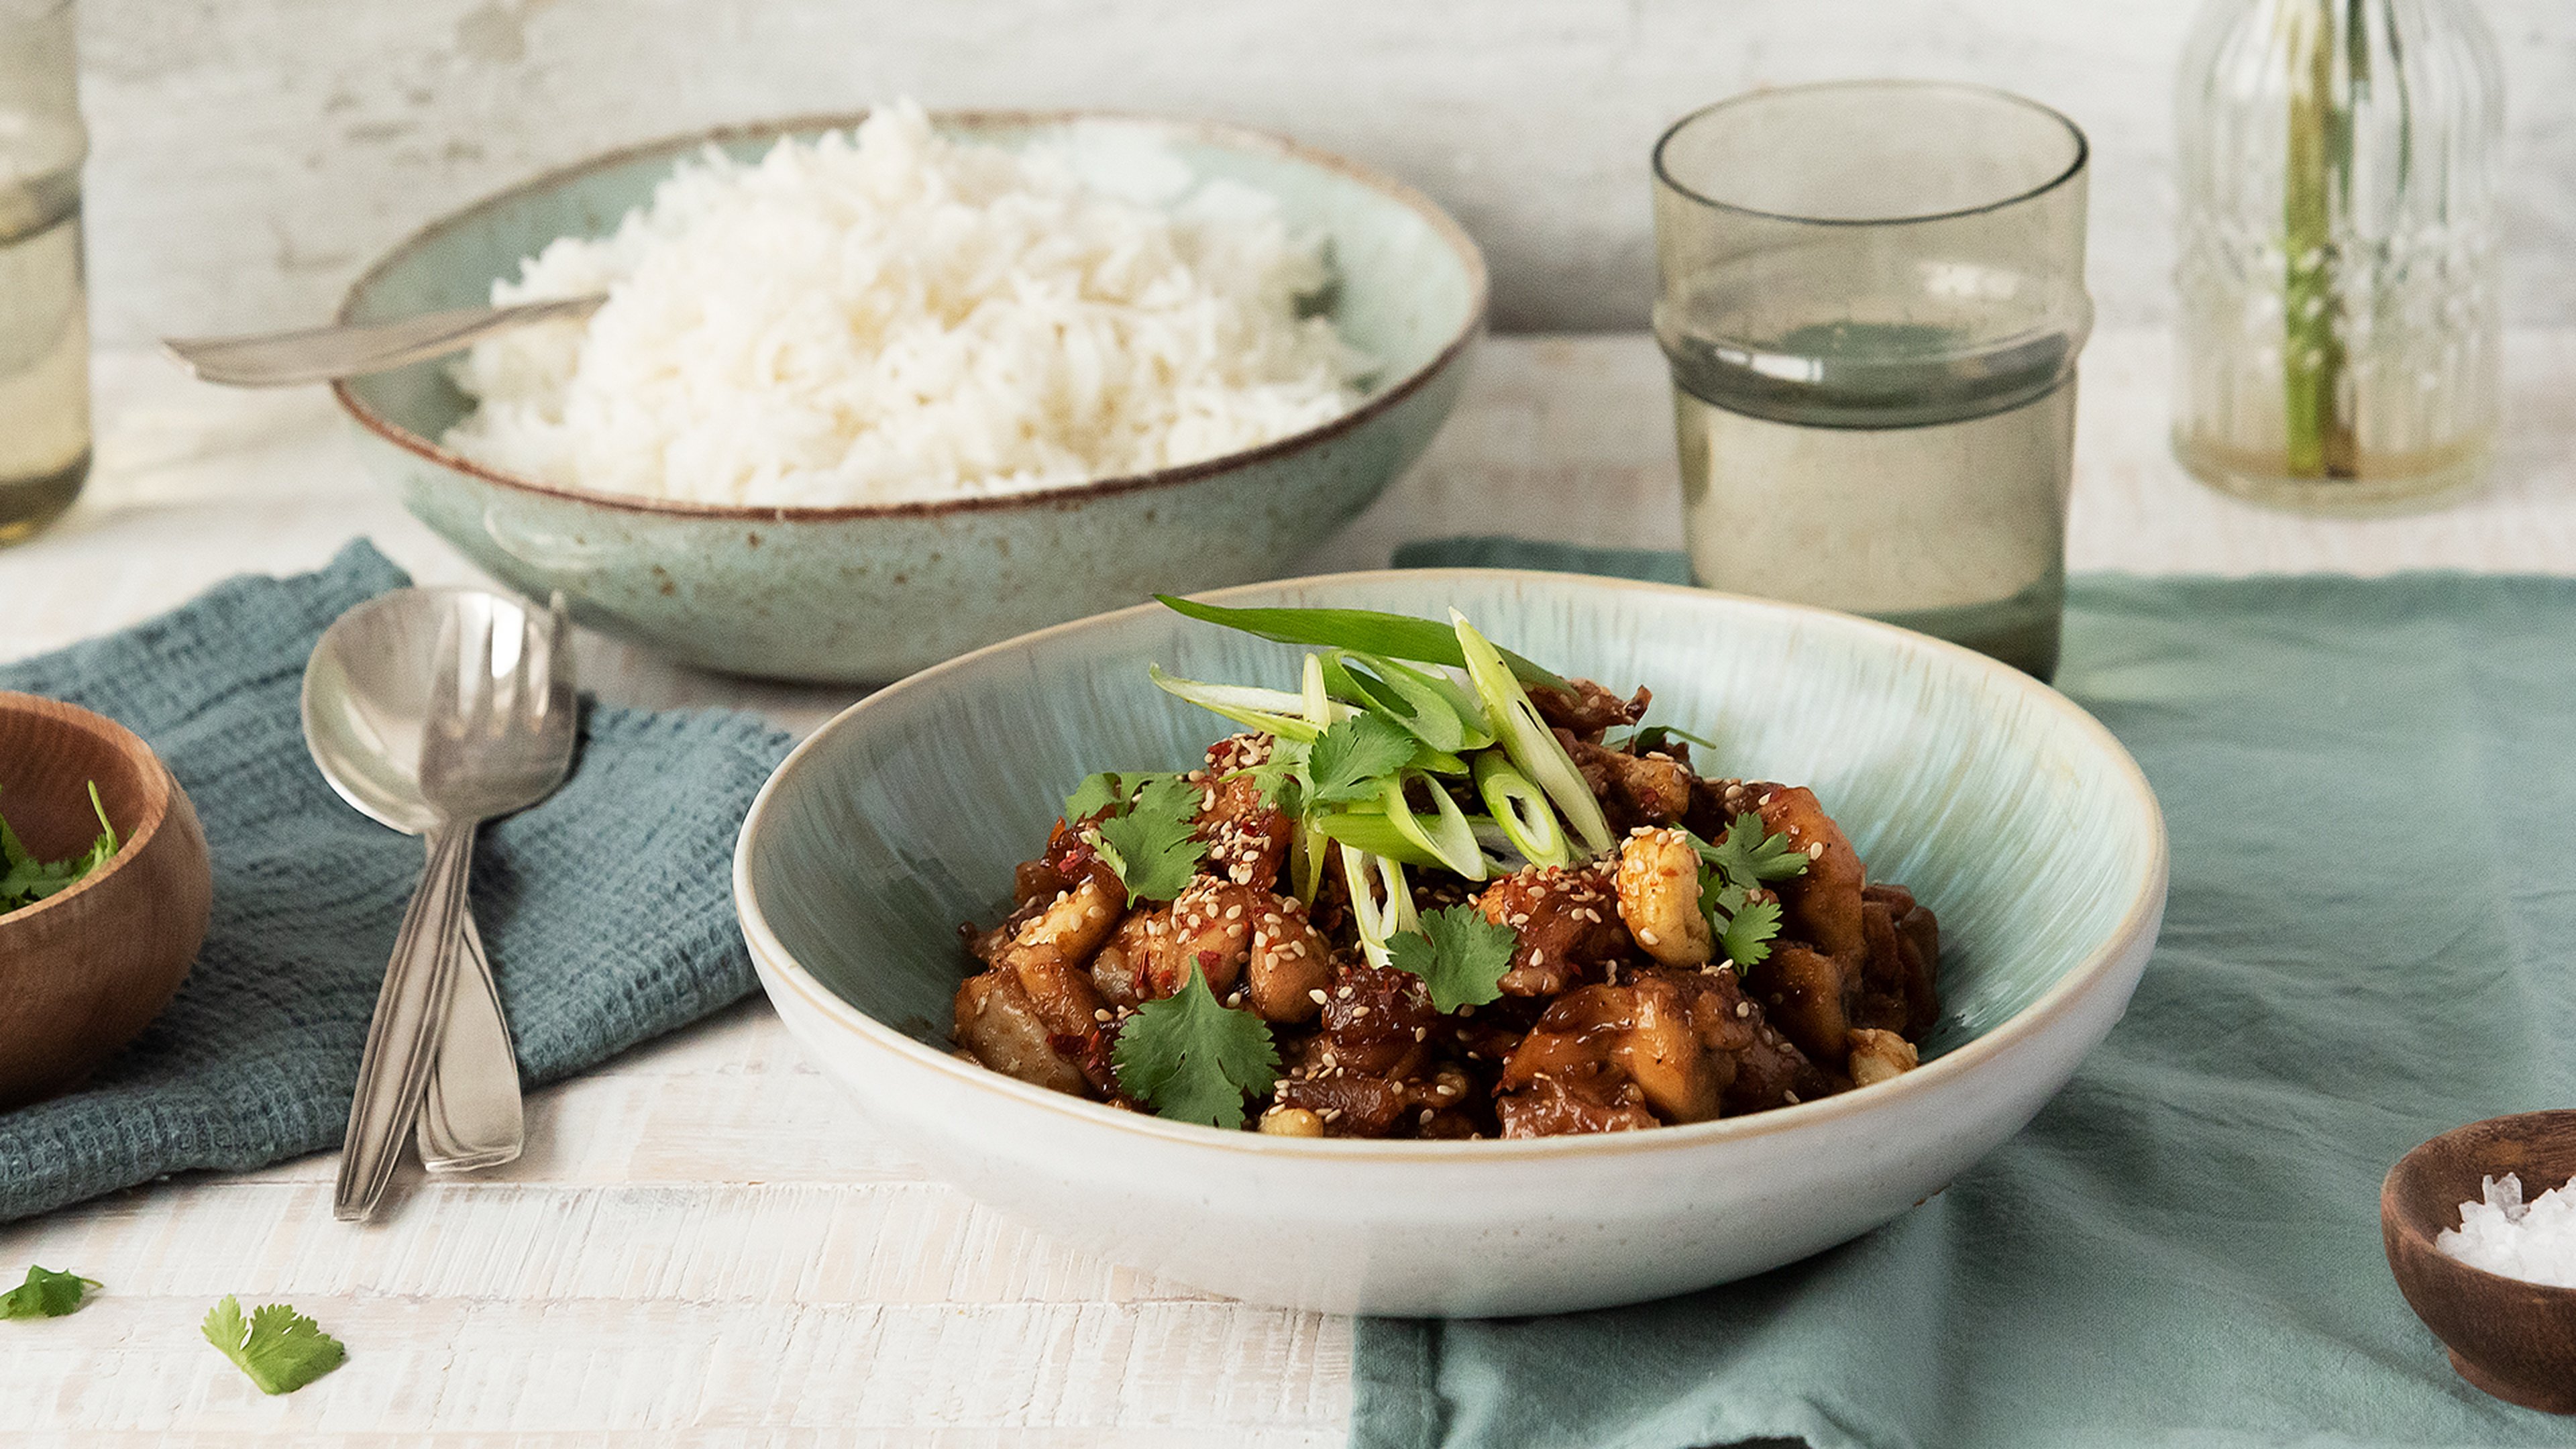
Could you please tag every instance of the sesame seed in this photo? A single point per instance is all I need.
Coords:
(1649, 938)
(1358, 1011)
(1100, 1014)
(1317, 996)
(1744, 1008)
(1789, 1097)
(1816, 851)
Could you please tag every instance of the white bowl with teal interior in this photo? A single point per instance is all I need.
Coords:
(871, 593)
(2008, 810)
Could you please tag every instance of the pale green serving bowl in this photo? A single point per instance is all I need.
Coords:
(865, 594)
(2010, 812)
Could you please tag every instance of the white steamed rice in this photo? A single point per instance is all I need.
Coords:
(890, 315)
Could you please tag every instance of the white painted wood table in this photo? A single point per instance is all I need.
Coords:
(704, 1243)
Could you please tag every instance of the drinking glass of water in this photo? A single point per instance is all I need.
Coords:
(44, 311)
(1872, 296)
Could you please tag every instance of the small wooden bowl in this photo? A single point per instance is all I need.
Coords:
(84, 970)
(2516, 1340)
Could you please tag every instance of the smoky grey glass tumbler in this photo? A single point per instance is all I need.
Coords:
(1872, 296)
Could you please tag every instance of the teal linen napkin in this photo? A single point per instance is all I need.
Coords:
(606, 909)
(2373, 819)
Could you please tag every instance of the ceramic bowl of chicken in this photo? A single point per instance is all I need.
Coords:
(2008, 812)
(866, 593)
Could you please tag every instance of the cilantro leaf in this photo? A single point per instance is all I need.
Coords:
(1460, 956)
(45, 1294)
(281, 1349)
(1744, 858)
(1745, 937)
(1095, 794)
(1193, 1059)
(1747, 856)
(1649, 738)
(25, 880)
(1154, 845)
(1350, 759)
(1281, 778)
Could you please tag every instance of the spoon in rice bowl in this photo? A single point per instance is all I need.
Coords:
(355, 349)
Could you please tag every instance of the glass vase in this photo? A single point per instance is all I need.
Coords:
(44, 310)
(2338, 339)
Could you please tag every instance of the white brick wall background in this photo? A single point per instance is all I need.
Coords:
(252, 155)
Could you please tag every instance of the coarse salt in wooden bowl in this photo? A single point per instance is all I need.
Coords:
(2513, 1339)
(86, 969)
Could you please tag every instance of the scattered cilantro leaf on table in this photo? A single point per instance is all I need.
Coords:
(280, 1349)
(1194, 1059)
(1348, 760)
(1154, 844)
(1460, 956)
(45, 1294)
(25, 880)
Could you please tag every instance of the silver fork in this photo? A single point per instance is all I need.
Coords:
(497, 738)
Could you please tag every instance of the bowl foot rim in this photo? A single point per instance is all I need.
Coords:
(2548, 1399)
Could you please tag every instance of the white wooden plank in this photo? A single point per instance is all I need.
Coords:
(253, 156)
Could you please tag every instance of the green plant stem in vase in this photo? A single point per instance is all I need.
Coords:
(2317, 404)
(2338, 334)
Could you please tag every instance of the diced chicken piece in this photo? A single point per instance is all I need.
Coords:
(1567, 921)
(1247, 839)
(1822, 906)
(1658, 891)
(1290, 971)
(1651, 789)
(1678, 1045)
(1898, 975)
(1211, 928)
(1052, 952)
(1000, 1026)
(1807, 995)
(1122, 970)
(1589, 711)
(1377, 1021)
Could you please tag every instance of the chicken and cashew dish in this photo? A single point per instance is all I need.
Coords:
(1441, 892)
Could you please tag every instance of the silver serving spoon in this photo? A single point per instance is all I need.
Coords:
(430, 710)
(354, 349)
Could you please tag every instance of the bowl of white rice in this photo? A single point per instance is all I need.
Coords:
(870, 391)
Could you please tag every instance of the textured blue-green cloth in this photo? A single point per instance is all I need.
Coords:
(2373, 821)
(606, 909)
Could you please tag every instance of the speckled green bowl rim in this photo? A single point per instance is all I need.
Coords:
(2144, 912)
(1216, 133)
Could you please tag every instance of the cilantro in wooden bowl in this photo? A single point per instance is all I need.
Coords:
(105, 890)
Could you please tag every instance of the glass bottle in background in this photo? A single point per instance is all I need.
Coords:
(44, 304)
(1872, 297)
(2338, 337)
